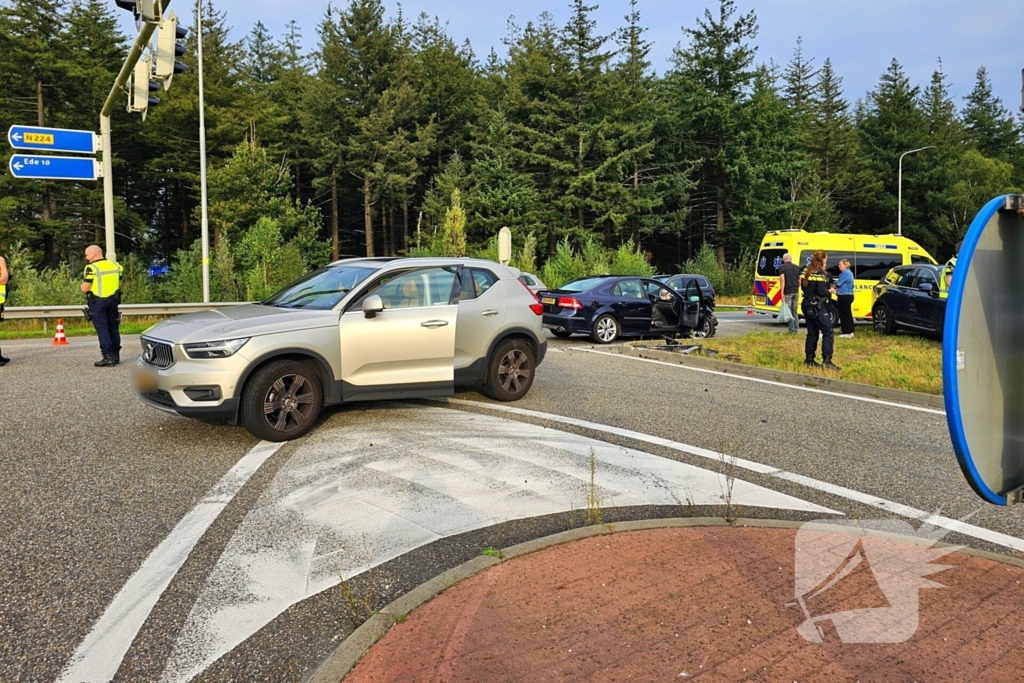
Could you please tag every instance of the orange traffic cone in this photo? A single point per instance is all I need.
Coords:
(59, 338)
(750, 311)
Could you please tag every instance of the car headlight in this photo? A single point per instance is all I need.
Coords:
(217, 349)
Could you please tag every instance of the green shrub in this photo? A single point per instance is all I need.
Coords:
(593, 259)
(58, 286)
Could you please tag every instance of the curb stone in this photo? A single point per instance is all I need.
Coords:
(795, 378)
(341, 662)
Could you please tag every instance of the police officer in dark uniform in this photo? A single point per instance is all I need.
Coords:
(818, 290)
(101, 284)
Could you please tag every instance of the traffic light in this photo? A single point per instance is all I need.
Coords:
(168, 48)
(143, 87)
(147, 11)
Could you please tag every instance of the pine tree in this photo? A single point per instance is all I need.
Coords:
(634, 115)
(990, 127)
(892, 124)
(709, 81)
(800, 77)
(501, 195)
(846, 178)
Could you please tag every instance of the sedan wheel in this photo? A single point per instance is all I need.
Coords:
(282, 401)
(706, 329)
(606, 330)
(510, 371)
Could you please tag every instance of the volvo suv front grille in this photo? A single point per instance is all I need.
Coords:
(157, 353)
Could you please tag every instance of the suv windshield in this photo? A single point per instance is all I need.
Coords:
(322, 289)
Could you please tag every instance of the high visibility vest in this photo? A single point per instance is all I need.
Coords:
(105, 277)
(946, 272)
(3, 294)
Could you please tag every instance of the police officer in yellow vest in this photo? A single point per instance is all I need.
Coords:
(947, 272)
(102, 286)
(4, 277)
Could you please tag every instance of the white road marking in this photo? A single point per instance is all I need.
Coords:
(100, 655)
(851, 397)
(850, 494)
(371, 489)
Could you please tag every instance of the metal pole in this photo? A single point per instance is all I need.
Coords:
(108, 187)
(141, 41)
(205, 224)
(899, 201)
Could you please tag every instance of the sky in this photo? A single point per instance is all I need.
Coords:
(860, 36)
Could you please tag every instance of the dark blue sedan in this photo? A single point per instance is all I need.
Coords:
(607, 307)
(910, 298)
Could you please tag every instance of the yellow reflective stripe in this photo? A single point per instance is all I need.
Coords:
(3, 293)
(106, 280)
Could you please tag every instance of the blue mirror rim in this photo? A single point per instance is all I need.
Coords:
(950, 343)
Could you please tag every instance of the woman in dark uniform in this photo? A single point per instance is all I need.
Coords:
(818, 290)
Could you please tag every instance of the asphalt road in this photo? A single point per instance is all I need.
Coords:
(93, 481)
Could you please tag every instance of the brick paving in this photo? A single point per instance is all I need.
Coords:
(702, 603)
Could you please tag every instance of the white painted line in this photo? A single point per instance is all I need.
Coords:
(864, 399)
(100, 655)
(841, 491)
(357, 493)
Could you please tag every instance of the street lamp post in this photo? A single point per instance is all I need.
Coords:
(899, 207)
(204, 220)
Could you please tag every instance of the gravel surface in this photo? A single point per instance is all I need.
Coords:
(93, 481)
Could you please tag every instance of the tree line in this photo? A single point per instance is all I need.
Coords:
(392, 138)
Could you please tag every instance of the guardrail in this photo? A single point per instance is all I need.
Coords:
(47, 313)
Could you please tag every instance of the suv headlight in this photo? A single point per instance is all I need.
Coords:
(217, 349)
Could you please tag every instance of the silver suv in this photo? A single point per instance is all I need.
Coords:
(359, 329)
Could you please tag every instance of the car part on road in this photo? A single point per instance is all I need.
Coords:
(606, 330)
(510, 371)
(282, 401)
(561, 333)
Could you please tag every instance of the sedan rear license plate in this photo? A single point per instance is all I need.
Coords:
(548, 300)
(144, 380)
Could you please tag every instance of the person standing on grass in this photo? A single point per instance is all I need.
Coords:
(818, 290)
(4, 277)
(844, 298)
(789, 281)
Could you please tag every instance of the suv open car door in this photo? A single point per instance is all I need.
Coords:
(407, 349)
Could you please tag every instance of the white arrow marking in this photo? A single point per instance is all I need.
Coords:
(17, 137)
(18, 167)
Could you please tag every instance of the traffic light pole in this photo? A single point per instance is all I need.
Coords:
(141, 41)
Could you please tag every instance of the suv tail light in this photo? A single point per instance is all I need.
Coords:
(537, 307)
(570, 303)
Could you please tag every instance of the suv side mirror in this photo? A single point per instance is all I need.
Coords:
(372, 305)
(926, 287)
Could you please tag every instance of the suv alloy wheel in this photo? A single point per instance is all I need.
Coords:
(510, 370)
(281, 401)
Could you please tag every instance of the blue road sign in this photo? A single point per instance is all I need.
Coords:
(52, 139)
(982, 358)
(53, 168)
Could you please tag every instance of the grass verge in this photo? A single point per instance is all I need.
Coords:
(73, 327)
(899, 361)
(733, 300)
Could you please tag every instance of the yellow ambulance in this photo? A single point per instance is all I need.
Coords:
(870, 256)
